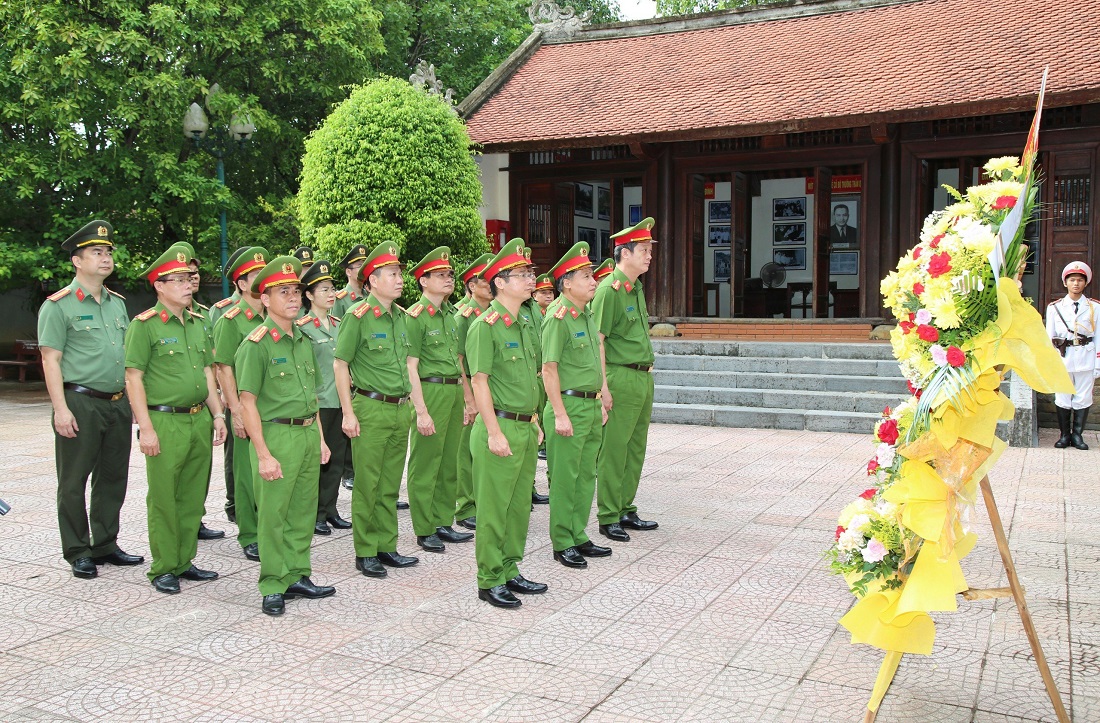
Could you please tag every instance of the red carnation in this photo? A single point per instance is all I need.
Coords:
(939, 265)
(907, 326)
(935, 243)
(955, 356)
(1003, 202)
(868, 494)
(916, 252)
(872, 466)
(928, 333)
(913, 390)
(912, 316)
(918, 288)
(886, 412)
(839, 532)
(887, 431)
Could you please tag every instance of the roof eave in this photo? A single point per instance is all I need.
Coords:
(485, 90)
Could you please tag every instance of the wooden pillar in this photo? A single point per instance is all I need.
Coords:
(880, 259)
(665, 284)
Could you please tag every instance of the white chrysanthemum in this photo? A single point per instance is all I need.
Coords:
(850, 540)
(886, 509)
(861, 523)
(884, 455)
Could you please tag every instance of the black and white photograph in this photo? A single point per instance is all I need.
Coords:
(587, 234)
(719, 211)
(605, 243)
(843, 223)
(582, 206)
(789, 209)
(603, 203)
(791, 259)
(844, 263)
(634, 215)
(789, 234)
(721, 265)
(718, 235)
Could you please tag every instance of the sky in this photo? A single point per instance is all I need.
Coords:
(638, 9)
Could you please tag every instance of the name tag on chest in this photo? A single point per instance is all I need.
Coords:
(511, 345)
(630, 308)
(279, 360)
(169, 340)
(380, 335)
(434, 332)
(578, 334)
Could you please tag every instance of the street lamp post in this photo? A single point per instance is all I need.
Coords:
(219, 142)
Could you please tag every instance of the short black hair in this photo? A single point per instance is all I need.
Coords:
(559, 282)
(306, 303)
(493, 287)
(237, 283)
(618, 251)
(840, 206)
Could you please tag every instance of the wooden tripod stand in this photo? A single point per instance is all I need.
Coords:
(1016, 592)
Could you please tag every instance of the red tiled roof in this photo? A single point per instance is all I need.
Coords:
(877, 63)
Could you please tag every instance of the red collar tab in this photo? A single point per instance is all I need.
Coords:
(274, 334)
(573, 312)
(80, 294)
(377, 311)
(164, 316)
(432, 310)
(507, 320)
(249, 313)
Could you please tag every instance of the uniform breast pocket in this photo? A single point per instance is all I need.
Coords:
(282, 376)
(510, 351)
(170, 351)
(379, 344)
(580, 346)
(86, 323)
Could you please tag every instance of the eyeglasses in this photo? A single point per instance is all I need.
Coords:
(445, 275)
(524, 275)
(176, 280)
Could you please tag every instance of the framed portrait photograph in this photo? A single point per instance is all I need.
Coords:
(718, 235)
(634, 214)
(582, 204)
(789, 209)
(588, 235)
(844, 263)
(792, 259)
(721, 265)
(789, 234)
(843, 224)
(603, 204)
(719, 211)
(605, 243)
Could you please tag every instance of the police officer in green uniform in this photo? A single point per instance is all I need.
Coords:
(478, 297)
(574, 416)
(81, 331)
(278, 381)
(229, 331)
(532, 312)
(321, 328)
(543, 297)
(304, 254)
(372, 379)
(603, 270)
(436, 380)
(219, 308)
(170, 383)
(502, 353)
(346, 298)
(620, 312)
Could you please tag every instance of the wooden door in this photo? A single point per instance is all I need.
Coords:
(697, 216)
(1069, 226)
(819, 261)
(739, 240)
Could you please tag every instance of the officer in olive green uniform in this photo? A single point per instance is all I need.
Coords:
(304, 254)
(321, 328)
(81, 330)
(478, 299)
(573, 416)
(620, 312)
(229, 331)
(502, 353)
(277, 378)
(436, 380)
(173, 395)
(372, 379)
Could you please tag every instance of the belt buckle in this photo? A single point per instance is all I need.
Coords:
(116, 397)
(195, 409)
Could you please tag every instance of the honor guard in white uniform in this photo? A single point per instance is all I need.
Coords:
(1072, 324)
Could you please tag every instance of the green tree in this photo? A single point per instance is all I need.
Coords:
(669, 8)
(391, 163)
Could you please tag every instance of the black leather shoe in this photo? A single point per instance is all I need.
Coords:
(570, 558)
(631, 521)
(205, 533)
(194, 573)
(615, 532)
(273, 605)
(347, 482)
(392, 559)
(231, 516)
(339, 523)
(499, 597)
(118, 557)
(305, 588)
(322, 528)
(542, 453)
(449, 534)
(402, 505)
(430, 543)
(252, 552)
(537, 499)
(167, 583)
(470, 523)
(84, 568)
(1080, 419)
(370, 566)
(524, 586)
(591, 549)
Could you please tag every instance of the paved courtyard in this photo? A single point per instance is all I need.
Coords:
(725, 613)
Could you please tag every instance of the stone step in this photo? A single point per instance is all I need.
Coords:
(851, 384)
(810, 350)
(765, 418)
(868, 402)
(778, 365)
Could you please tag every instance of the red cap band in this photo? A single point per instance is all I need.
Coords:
(436, 265)
(172, 267)
(248, 268)
(636, 236)
(571, 265)
(278, 280)
(474, 271)
(378, 262)
(508, 262)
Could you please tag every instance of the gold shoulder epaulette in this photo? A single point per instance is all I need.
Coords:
(492, 318)
(112, 291)
(258, 333)
(467, 310)
(232, 312)
(57, 296)
(304, 320)
(560, 313)
(416, 310)
(335, 319)
(616, 284)
(224, 302)
(360, 310)
(146, 315)
(195, 314)
(202, 306)
(400, 308)
(341, 294)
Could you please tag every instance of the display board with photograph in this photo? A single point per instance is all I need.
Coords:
(603, 203)
(634, 216)
(718, 235)
(844, 263)
(582, 205)
(789, 209)
(588, 235)
(792, 259)
(719, 211)
(789, 234)
(722, 265)
(843, 223)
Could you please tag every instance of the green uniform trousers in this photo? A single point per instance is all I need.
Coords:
(433, 460)
(286, 507)
(619, 468)
(177, 488)
(328, 482)
(545, 430)
(379, 453)
(244, 470)
(101, 449)
(464, 489)
(227, 467)
(572, 462)
(502, 488)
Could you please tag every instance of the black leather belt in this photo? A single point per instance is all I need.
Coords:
(582, 395)
(513, 416)
(94, 393)
(381, 397)
(639, 367)
(294, 422)
(1080, 341)
(441, 380)
(193, 409)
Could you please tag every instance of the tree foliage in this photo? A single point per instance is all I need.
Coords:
(669, 8)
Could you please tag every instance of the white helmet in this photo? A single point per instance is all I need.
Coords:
(1077, 267)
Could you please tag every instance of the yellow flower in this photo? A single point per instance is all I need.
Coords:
(997, 167)
(987, 193)
(944, 311)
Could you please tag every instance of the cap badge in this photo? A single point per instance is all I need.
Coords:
(288, 268)
(393, 251)
(324, 268)
(527, 254)
(258, 257)
(101, 231)
(181, 257)
(305, 254)
(444, 256)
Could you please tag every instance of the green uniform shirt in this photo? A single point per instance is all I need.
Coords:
(505, 349)
(571, 339)
(346, 298)
(433, 338)
(89, 334)
(280, 369)
(231, 329)
(324, 348)
(218, 309)
(173, 355)
(375, 344)
(620, 312)
(531, 312)
(207, 322)
(463, 318)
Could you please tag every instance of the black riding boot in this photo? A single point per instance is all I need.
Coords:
(1064, 416)
(1080, 416)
